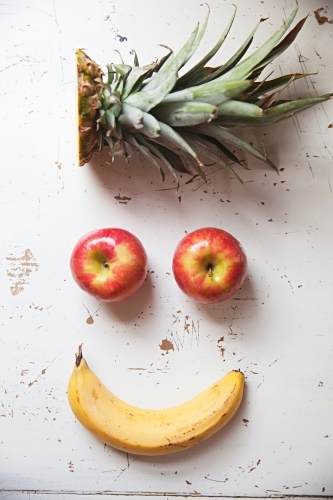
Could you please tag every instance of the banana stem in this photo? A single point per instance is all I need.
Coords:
(78, 356)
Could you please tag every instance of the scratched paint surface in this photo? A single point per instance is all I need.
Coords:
(159, 348)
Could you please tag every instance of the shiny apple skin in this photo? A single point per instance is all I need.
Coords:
(209, 265)
(109, 263)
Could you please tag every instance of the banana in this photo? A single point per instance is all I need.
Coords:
(151, 432)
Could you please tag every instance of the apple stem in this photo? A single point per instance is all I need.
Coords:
(106, 265)
(210, 269)
(78, 356)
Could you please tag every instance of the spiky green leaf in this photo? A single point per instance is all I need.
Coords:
(174, 139)
(278, 49)
(130, 117)
(110, 121)
(245, 68)
(214, 92)
(207, 151)
(133, 82)
(234, 59)
(173, 65)
(172, 158)
(149, 98)
(279, 111)
(238, 108)
(123, 70)
(154, 150)
(130, 139)
(223, 135)
(218, 147)
(194, 75)
(180, 114)
(258, 89)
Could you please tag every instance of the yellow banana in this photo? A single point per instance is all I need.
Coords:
(151, 432)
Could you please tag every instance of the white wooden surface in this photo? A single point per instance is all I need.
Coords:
(277, 329)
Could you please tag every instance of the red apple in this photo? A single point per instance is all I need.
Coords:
(110, 264)
(209, 265)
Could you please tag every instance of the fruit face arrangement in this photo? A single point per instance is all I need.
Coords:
(175, 120)
(110, 264)
(209, 265)
(151, 432)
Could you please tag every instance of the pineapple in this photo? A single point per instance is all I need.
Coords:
(174, 120)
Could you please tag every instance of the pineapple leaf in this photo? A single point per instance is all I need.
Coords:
(130, 139)
(279, 111)
(206, 150)
(151, 127)
(214, 92)
(111, 74)
(289, 108)
(173, 140)
(236, 57)
(197, 39)
(120, 56)
(163, 59)
(173, 65)
(110, 120)
(221, 134)
(109, 141)
(135, 59)
(192, 167)
(238, 108)
(258, 89)
(117, 148)
(117, 85)
(172, 158)
(245, 68)
(187, 114)
(147, 99)
(123, 70)
(155, 151)
(278, 49)
(194, 75)
(219, 148)
(130, 117)
(137, 75)
(117, 132)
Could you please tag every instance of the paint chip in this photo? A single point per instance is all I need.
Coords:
(166, 345)
(20, 269)
(322, 19)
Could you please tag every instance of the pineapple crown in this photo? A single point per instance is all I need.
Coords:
(176, 119)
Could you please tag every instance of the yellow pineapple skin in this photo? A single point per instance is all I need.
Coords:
(89, 81)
